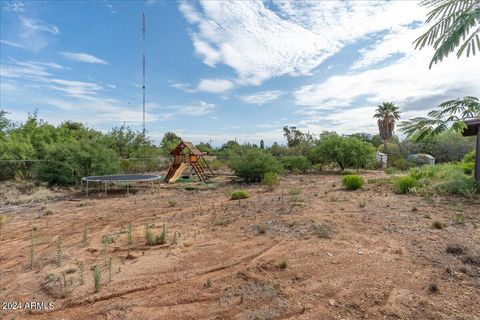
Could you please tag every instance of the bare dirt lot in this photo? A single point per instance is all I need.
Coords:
(308, 250)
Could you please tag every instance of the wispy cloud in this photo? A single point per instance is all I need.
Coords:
(13, 44)
(39, 25)
(14, 6)
(196, 109)
(262, 41)
(214, 85)
(83, 57)
(262, 97)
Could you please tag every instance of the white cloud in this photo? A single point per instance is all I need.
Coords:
(293, 38)
(39, 25)
(405, 81)
(214, 85)
(262, 97)
(14, 6)
(83, 57)
(12, 44)
(196, 109)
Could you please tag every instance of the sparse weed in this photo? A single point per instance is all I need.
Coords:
(321, 231)
(283, 265)
(454, 249)
(433, 288)
(438, 224)
(459, 218)
(80, 266)
(129, 238)
(58, 252)
(172, 203)
(96, 278)
(353, 182)
(110, 269)
(32, 243)
(294, 192)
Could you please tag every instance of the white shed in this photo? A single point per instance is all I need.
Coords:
(381, 159)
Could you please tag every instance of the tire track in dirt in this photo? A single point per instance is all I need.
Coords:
(93, 300)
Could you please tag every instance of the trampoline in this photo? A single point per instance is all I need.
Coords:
(125, 179)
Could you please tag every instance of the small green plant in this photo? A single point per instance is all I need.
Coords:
(353, 182)
(405, 184)
(58, 252)
(97, 278)
(239, 194)
(294, 192)
(283, 265)
(438, 224)
(80, 266)
(129, 238)
(105, 251)
(110, 269)
(85, 235)
(459, 218)
(321, 231)
(32, 243)
(175, 237)
(270, 179)
(172, 203)
(162, 237)
(108, 239)
(149, 236)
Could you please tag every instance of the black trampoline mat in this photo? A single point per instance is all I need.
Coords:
(123, 177)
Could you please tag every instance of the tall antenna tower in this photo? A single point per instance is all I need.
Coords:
(143, 66)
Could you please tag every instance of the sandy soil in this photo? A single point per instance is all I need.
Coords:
(308, 250)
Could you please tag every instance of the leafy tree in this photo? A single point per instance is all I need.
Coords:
(387, 113)
(346, 152)
(5, 123)
(205, 147)
(455, 23)
(296, 137)
(299, 163)
(448, 115)
(68, 162)
(253, 164)
(262, 144)
(169, 141)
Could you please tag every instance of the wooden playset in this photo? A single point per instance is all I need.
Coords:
(184, 155)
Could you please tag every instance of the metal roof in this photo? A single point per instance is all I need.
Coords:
(473, 126)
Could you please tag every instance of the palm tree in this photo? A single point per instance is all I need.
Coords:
(454, 21)
(387, 113)
(448, 115)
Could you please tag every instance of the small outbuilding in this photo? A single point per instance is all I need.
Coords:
(421, 158)
(473, 129)
(381, 159)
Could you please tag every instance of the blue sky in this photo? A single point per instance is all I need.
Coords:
(219, 70)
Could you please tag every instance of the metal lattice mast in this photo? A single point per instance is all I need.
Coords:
(143, 67)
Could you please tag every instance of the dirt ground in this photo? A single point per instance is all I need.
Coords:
(307, 250)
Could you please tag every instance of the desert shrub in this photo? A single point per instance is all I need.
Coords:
(469, 157)
(296, 163)
(239, 194)
(353, 182)
(346, 152)
(391, 170)
(215, 164)
(468, 167)
(253, 164)
(405, 184)
(68, 162)
(401, 164)
(270, 179)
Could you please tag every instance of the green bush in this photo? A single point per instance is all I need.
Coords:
(270, 179)
(253, 164)
(296, 163)
(469, 157)
(68, 162)
(239, 194)
(468, 168)
(391, 170)
(405, 184)
(346, 152)
(353, 182)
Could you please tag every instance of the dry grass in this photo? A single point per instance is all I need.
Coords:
(14, 193)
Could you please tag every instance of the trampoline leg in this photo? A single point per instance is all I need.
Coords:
(87, 189)
(105, 188)
(128, 189)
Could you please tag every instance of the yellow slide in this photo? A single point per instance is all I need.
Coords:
(178, 173)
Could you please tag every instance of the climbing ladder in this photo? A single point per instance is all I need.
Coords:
(200, 172)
